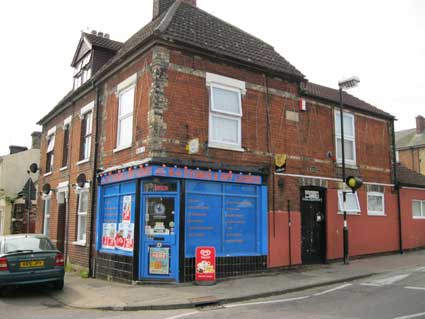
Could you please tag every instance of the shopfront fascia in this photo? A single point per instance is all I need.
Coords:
(152, 218)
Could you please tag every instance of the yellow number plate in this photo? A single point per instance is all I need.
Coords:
(29, 264)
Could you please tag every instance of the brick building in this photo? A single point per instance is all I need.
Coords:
(195, 133)
(411, 146)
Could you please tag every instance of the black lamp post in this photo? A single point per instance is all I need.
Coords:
(345, 84)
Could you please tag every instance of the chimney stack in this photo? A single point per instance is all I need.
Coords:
(14, 149)
(36, 140)
(420, 124)
(159, 6)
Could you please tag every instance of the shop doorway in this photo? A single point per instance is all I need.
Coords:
(159, 257)
(313, 225)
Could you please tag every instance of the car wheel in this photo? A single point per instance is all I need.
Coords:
(59, 284)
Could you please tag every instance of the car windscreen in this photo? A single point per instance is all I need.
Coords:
(33, 244)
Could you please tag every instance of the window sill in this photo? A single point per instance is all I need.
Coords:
(48, 174)
(350, 213)
(376, 214)
(63, 168)
(420, 218)
(347, 165)
(83, 161)
(227, 147)
(79, 243)
(122, 148)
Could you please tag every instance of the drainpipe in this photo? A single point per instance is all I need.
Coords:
(397, 187)
(94, 181)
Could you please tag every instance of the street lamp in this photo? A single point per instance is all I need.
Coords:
(345, 85)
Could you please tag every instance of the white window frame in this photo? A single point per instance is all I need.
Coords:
(376, 213)
(123, 88)
(217, 81)
(422, 202)
(51, 138)
(340, 203)
(46, 214)
(82, 233)
(346, 137)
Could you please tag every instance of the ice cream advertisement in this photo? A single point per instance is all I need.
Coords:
(205, 264)
(124, 238)
(108, 236)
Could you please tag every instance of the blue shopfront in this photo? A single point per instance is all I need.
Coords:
(150, 219)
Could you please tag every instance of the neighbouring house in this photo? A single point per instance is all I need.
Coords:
(411, 146)
(18, 188)
(195, 133)
(412, 205)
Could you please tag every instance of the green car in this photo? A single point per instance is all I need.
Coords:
(30, 259)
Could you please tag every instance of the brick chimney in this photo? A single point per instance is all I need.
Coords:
(159, 6)
(420, 124)
(36, 140)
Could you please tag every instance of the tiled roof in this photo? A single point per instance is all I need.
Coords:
(195, 27)
(103, 42)
(408, 177)
(409, 138)
(332, 95)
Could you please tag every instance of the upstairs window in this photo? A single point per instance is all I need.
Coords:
(50, 149)
(349, 138)
(126, 92)
(65, 146)
(86, 131)
(225, 115)
(82, 71)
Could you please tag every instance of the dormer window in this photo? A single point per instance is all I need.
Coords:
(82, 71)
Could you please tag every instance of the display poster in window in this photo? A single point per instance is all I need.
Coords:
(205, 265)
(159, 260)
(108, 236)
(126, 209)
(124, 238)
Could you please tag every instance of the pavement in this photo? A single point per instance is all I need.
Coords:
(104, 295)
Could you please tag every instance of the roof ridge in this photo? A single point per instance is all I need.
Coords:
(166, 20)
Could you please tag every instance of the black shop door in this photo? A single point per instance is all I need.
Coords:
(313, 225)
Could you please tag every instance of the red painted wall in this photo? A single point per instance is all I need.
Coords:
(413, 229)
(279, 239)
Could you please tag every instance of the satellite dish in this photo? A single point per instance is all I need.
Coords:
(46, 189)
(81, 180)
(33, 168)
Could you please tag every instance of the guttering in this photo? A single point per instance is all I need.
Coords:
(397, 187)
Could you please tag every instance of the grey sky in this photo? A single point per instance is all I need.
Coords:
(380, 41)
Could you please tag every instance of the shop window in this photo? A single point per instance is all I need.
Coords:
(225, 127)
(126, 92)
(46, 218)
(228, 217)
(116, 219)
(83, 204)
(349, 138)
(352, 205)
(418, 209)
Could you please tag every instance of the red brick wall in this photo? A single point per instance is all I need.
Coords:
(410, 159)
(77, 254)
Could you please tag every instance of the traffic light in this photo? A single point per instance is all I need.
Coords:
(354, 182)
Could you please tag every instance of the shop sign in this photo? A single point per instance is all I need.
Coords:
(205, 265)
(159, 260)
